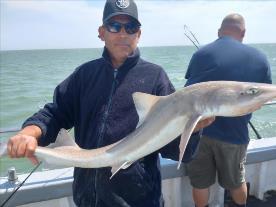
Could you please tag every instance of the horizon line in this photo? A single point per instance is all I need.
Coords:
(189, 45)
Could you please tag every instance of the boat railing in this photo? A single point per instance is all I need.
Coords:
(57, 184)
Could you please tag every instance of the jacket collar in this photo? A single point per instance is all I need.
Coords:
(129, 62)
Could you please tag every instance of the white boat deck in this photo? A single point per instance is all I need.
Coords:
(53, 187)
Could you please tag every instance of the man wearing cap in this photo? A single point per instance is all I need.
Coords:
(96, 99)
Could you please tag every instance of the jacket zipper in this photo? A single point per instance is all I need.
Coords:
(102, 129)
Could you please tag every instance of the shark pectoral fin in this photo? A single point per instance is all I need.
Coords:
(115, 169)
(187, 132)
(143, 103)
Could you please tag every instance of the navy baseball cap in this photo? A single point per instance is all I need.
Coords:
(117, 7)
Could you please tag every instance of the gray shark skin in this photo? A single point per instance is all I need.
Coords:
(161, 120)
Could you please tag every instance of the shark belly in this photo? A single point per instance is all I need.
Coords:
(151, 140)
(75, 157)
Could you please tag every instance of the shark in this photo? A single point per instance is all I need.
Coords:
(161, 120)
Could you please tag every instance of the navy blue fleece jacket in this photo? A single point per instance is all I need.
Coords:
(97, 101)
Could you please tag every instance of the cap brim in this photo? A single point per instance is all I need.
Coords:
(119, 13)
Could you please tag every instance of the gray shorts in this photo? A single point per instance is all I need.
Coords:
(213, 157)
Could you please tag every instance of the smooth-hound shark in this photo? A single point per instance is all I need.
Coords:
(161, 120)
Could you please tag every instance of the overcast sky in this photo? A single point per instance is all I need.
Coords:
(37, 24)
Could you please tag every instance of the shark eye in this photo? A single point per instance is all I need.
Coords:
(252, 91)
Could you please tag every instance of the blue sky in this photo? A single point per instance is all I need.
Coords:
(37, 24)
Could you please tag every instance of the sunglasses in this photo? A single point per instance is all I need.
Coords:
(116, 27)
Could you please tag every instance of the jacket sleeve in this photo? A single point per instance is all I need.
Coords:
(163, 85)
(60, 113)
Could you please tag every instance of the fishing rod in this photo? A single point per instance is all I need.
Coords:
(252, 126)
(9, 130)
(186, 27)
(255, 130)
(19, 186)
(191, 36)
(34, 169)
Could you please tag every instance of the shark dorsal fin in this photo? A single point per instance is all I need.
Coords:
(143, 103)
(63, 139)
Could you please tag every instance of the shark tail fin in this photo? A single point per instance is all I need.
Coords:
(116, 169)
(187, 132)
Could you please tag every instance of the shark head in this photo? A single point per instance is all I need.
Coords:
(229, 98)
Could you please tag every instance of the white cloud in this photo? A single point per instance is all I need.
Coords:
(165, 20)
(49, 24)
(74, 24)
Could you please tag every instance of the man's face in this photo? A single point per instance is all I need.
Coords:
(120, 45)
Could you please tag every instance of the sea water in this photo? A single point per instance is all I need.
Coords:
(28, 79)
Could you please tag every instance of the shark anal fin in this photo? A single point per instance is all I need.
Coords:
(115, 169)
(186, 134)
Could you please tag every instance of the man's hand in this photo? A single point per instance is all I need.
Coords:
(204, 123)
(24, 143)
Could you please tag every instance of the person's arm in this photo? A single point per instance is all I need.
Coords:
(43, 127)
(58, 114)
(203, 123)
(24, 143)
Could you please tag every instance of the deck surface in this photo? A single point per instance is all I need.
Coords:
(269, 201)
